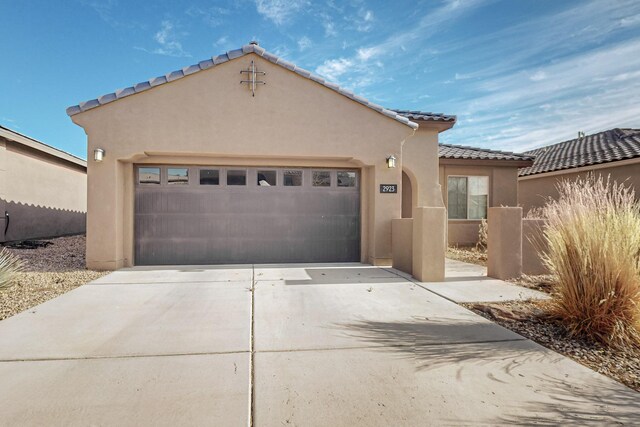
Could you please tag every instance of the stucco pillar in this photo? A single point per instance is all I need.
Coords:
(420, 160)
(386, 207)
(402, 244)
(504, 243)
(104, 195)
(429, 237)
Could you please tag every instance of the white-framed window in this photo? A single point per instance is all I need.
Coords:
(467, 197)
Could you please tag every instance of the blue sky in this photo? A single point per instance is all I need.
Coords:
(519, 74)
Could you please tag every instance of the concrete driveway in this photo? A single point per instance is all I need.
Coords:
(339, 344)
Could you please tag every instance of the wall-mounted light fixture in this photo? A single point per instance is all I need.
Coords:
(98, 154)
(391, 161)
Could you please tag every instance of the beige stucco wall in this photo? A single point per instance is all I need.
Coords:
(504, 248)
(532, 191)
(45, 196)
(208, 118)
(503, 191)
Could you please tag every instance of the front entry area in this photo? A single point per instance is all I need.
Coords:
(238, 215)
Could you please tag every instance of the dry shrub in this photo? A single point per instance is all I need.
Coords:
(10, 264)
(593, 238)
(483, 236)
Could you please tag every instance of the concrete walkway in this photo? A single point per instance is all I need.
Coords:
(469, 283)
(317, 345)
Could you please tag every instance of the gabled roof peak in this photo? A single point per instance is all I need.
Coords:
(252, 47)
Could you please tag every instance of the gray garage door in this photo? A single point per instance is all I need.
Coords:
(227, 215)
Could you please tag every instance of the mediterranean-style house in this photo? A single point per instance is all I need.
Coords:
(247, 158)
(473, 180)
(43, 190)
(613, 154)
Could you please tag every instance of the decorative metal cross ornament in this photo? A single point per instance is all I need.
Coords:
(252, 74)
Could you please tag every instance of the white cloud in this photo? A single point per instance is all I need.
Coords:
(213, 16)
(366, 53)
(222, 41)
(334, 68)
(538, 75)
(279, 11)
(364, 20)
(168, 41)
(304, 43)
(361, 74)
(590, 92)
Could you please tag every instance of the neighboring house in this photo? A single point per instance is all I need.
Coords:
(472, 180)
(197, 167)
(613, 153)
(43, 190)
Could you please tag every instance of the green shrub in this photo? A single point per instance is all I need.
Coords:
(593, 248)
(9, 265)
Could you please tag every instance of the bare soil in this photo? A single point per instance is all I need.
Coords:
(50, 270)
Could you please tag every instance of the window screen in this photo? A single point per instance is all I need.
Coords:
(457, 197)
(468, 197)
(478, 187)
(149, 175)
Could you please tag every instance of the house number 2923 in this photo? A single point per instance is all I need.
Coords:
(388, 188)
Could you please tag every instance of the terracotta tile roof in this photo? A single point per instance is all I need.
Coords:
(448, 151)
(603, 147)
(233, 54)
(424, 115)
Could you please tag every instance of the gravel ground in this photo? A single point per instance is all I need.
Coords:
(542, 283)
(528, 318)
(48, 272)
(465, 254)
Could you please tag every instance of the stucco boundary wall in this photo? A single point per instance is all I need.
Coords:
(533, 245)
(504, 246)
(419, 244)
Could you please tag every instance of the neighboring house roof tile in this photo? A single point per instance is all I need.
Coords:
(19, 138)
(424, 115)
(448, 151)
(250, 48)
(603, 147)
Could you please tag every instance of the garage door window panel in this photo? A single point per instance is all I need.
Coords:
(267, 178)
(149, 176)
(178, 176)
(209, 177)
(346, 179)
(236, 177)
(321, 178)
(292, 177)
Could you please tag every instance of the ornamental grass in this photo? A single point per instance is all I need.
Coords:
(10, 265)
(592, 236)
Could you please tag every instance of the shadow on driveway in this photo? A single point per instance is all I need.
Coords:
(541, 386)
